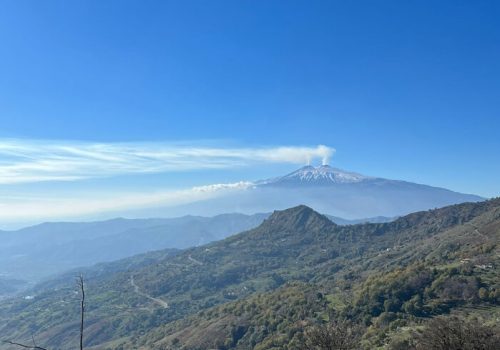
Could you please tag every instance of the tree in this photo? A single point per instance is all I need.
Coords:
(81, 286)
(336, 335)
(453, 333)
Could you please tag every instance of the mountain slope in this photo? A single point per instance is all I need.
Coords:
(36, 252)
(426, 263)
(296, 245)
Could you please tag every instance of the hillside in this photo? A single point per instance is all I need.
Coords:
(448, 270)
(263, 286)
(33, 253)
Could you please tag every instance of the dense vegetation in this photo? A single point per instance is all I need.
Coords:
(265, 288)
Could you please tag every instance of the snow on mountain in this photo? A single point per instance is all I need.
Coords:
(323, 175)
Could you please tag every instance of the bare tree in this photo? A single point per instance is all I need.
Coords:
(336, 335)
(453, 333)
(34, 346)
(81, 286)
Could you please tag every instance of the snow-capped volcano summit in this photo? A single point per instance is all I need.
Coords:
(320, 175)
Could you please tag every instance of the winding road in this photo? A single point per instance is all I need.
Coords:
(194, 260)
(157, 301)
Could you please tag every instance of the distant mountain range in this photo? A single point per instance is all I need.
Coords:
(262, 288)
(330, 191)
(35, 252)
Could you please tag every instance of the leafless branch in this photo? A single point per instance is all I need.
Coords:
(81, 285)
(25, 346)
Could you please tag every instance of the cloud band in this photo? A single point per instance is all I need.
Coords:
(24, 161)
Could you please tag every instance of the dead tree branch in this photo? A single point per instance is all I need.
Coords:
(34, 346)
(81, 286)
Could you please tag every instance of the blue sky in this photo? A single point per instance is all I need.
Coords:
(407, 90)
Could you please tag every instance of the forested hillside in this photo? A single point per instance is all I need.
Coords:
(265, 287)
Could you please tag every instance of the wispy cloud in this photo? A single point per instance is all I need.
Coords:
(23, 161)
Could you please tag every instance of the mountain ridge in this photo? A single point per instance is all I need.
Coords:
(300, 217)
(36, 252)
